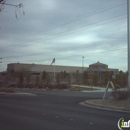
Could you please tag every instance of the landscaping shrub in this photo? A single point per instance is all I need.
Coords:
(7, 90)
(61, 86)
(55, 86)
(12, 85)
(29, 86)
(39, 86)
(49, 86)
(102, 84)
(118, 95)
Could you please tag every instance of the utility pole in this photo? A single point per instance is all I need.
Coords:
(82, 68)
(128, 41)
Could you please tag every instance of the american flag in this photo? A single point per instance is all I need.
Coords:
(53, 61)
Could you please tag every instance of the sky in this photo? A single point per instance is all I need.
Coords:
(66, 30)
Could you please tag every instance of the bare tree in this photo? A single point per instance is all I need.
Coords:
(17, 7)
(68, 79)
(2, 5)
(77, 77)
(95, 78)
(58, 78)
(85, 77)
(37, 80)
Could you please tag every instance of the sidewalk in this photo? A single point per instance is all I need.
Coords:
(99, 89)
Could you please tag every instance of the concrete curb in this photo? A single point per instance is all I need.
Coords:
(102, 107)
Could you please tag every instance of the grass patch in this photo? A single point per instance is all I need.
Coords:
(6, 90)
(76, 88)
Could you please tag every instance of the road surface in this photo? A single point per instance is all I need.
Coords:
(55, 111)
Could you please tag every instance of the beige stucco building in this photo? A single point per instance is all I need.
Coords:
(100, 68)
(52, 70)
(40, 68)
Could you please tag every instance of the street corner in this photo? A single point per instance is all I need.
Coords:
(105, 105)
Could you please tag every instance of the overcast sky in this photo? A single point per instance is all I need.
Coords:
(65, 30)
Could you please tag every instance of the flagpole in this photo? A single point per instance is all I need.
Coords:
(54, 71)
(53, 61)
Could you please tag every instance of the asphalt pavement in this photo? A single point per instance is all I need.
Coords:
(54, 110)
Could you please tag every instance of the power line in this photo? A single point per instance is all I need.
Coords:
(69, 32)
(80, 30)
(73, 47)
(78, 46)
(64, 57)
(82, 17)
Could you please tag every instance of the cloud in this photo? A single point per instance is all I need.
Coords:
(65, 30)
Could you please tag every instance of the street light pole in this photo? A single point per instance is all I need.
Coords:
(128, 41)
(82, 68)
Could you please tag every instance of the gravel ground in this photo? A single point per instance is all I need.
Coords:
(110, 102)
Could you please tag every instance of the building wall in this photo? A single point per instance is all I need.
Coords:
(36, 69)
(41, 68)
(100, 68)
